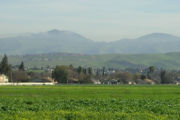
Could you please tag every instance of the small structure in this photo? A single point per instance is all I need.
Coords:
(132, 83)
(177, 83)
(96, 82)
(111, 82)
(3, 78)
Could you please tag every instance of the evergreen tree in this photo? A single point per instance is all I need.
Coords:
(80, 69)
(4, 66)
(103, 71)
(97, 72)
(163, 77)
(84, 71)
(21, 67)
(90, 70)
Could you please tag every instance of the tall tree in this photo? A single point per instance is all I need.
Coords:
(80, 69)
(90, 70)
(84, 71)
(166, 77)
(103, 71)
(71, 66)
(4, 66)
(151, 69)
(163, 76)
(97, 72)
(60, 74)
(21, 67)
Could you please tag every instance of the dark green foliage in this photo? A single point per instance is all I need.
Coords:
(68, 74)
(84, 71)
(166, 78)
(90, 71)
(143, 77)
(80, 70)
(151, 69)
(5, 68)
(60, 74)
(103, 71)
(163, 76)
(97, 72)
(71, 67)
(21, 67)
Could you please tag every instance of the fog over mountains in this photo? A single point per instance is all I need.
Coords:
(69, 42)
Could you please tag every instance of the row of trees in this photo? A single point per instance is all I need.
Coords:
(5, 67)
(17, 75)
(149, 76)
(69, 74)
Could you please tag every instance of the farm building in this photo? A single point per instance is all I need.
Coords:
(3, 78)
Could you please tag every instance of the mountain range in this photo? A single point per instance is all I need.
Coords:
(69, 42)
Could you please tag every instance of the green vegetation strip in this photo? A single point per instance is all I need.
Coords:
(120, 61)
(80, 102)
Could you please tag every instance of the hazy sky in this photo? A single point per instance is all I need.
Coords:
(101, 20)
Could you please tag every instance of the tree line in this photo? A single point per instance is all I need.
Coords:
(69, 74)
(85, 75)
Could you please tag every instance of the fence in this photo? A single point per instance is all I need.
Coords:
(29, 83)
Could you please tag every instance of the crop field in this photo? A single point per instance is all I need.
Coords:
(90, 102)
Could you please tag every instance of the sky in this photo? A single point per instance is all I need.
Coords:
(99, 20)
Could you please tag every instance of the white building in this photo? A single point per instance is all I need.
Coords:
(3, 78)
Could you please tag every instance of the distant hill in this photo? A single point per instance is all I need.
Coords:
(69, 42)
(121, 61)
(151, 43)
(48, 42)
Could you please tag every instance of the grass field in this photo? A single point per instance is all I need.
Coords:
(80, 102)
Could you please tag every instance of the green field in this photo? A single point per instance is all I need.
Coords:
(81, 102)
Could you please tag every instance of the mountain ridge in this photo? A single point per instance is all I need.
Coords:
(71, 42)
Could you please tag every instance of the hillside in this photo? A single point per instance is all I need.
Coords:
(56, 41)
(48, 42)
(151, 43)
(168, 61)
